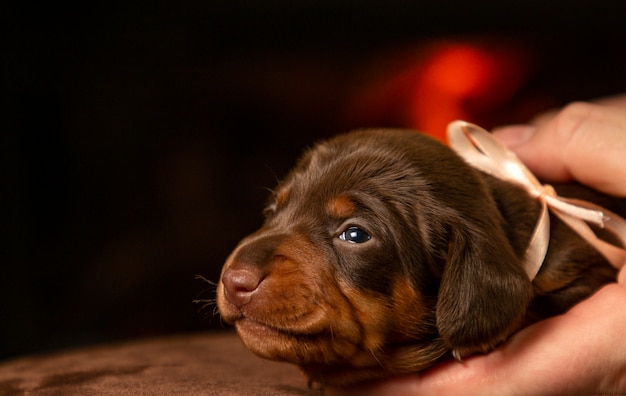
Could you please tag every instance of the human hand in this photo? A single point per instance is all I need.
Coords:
(584, 142)
(582, 351)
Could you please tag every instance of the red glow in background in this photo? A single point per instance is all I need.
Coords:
(442, 81)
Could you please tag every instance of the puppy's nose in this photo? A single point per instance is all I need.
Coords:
(240, 284)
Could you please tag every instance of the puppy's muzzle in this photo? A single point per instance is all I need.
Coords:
(247, 270)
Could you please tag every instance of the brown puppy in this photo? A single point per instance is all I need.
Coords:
(382, 252)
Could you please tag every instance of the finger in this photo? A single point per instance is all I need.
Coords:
(585, 142)
(614, 101)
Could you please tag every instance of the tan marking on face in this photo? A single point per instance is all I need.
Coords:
(341, 207)
(387, 320)
(410, 308)
(282, 195)
(367, 312)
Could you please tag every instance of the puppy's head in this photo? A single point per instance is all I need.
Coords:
(381, 251)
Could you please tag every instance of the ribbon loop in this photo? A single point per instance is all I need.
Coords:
(479, 149)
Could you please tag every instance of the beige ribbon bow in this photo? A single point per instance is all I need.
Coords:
(479, 149)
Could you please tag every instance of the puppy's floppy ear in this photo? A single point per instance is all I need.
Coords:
(483, 293)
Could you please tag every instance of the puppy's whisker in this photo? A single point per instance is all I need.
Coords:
(202, 278)
(274, 175)
(373, 353)
(332, 334)
(216, 312)
(207, 303)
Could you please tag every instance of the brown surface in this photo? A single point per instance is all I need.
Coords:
(197, 364)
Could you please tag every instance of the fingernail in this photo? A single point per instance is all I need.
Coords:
(514, 135)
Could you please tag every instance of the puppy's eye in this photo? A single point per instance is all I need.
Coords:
(355, 235)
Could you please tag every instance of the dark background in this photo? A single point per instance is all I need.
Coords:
(138, 138)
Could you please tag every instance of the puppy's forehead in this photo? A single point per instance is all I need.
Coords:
(377, 164)
(351, 159)
(333, 179)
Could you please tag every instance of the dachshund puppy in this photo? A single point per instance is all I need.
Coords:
(383, 253)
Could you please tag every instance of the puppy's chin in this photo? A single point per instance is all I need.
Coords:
(300, 348)
(301, 341)
(331, 361)
(273, 343)
(324, 358)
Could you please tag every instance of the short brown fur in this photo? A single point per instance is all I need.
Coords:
(440, 272)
